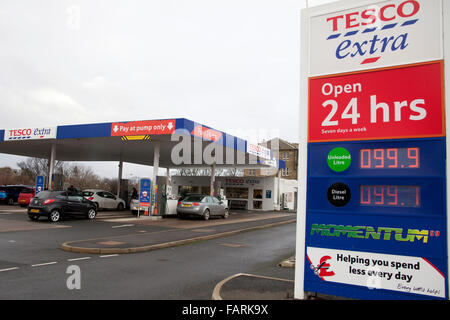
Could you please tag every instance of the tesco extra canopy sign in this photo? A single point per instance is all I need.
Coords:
(30, 133)
(377, 35)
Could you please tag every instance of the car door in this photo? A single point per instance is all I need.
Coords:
(206, 204)
(101, 198)
(218, 208)
(110, 200)
(76, 204)
(212, 206)
(63, 202)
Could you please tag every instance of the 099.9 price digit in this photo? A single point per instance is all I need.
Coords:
(392, 158)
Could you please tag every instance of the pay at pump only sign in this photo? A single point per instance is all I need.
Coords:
(376, 212)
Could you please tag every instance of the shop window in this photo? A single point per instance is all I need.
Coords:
(237, 193)
(257, 194)
(184, 190)
(257, 198)
(257, 204)
(237, 204)
(206, 191)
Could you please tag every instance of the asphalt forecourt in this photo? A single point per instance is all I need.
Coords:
(174, 232)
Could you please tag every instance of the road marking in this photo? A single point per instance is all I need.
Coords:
(123, 226)
(44, 264)
(9, 269)
(109, 255)
(77, 259)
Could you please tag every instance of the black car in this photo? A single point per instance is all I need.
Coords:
(58, 204)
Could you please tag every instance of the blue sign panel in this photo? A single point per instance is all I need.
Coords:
(145, 192)
(377, 230)
(39, 184)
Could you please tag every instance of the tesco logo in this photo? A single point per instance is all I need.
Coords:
(20, 132)
(30, 133)
(375, 14)
(357, 31)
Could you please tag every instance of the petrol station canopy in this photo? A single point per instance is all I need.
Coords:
(135, 142)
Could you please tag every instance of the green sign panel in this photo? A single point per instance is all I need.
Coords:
(339, 159)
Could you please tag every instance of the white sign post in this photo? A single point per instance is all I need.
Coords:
(360, 37)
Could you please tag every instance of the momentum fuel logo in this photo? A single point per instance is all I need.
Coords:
(380, 29)
(379, 233)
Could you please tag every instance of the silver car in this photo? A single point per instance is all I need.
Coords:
(202, 206)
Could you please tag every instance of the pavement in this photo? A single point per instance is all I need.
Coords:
(276, 283)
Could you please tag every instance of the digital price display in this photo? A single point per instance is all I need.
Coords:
(390, 196)
(392, 158)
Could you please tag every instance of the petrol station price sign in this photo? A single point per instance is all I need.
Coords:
(376, 211)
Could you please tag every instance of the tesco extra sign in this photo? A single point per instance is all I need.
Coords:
(30, 133)
(383, 34)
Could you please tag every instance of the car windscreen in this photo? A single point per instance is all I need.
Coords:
(87, 193)
(193, 198)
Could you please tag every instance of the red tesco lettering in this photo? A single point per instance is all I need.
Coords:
(372, 15)
(20, 132)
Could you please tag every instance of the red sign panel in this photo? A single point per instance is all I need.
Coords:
(133, 128)
(403, 102)
(206, 133)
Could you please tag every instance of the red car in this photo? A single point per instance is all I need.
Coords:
(25, 196)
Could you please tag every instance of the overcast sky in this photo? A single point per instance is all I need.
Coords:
(229, 64)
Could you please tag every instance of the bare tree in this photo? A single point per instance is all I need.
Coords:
(81, 177)
(33, 167)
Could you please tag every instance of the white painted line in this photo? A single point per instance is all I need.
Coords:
(9, 269)
(123, 226)
(77, 259)
(109, 255)
(44, 264)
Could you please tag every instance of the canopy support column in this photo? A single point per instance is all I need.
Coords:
(155, 174)
(119, 182)
(213, 179)
(51, 169)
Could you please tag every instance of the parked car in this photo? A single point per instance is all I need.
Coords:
(25, 196)
(57, 204)
(104, 199)
(10, 194)
(201, 206)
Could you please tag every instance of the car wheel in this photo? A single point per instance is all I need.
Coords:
(54, 216)
(91, 214)
(120, 206)
(226, 214)
(206, 214)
